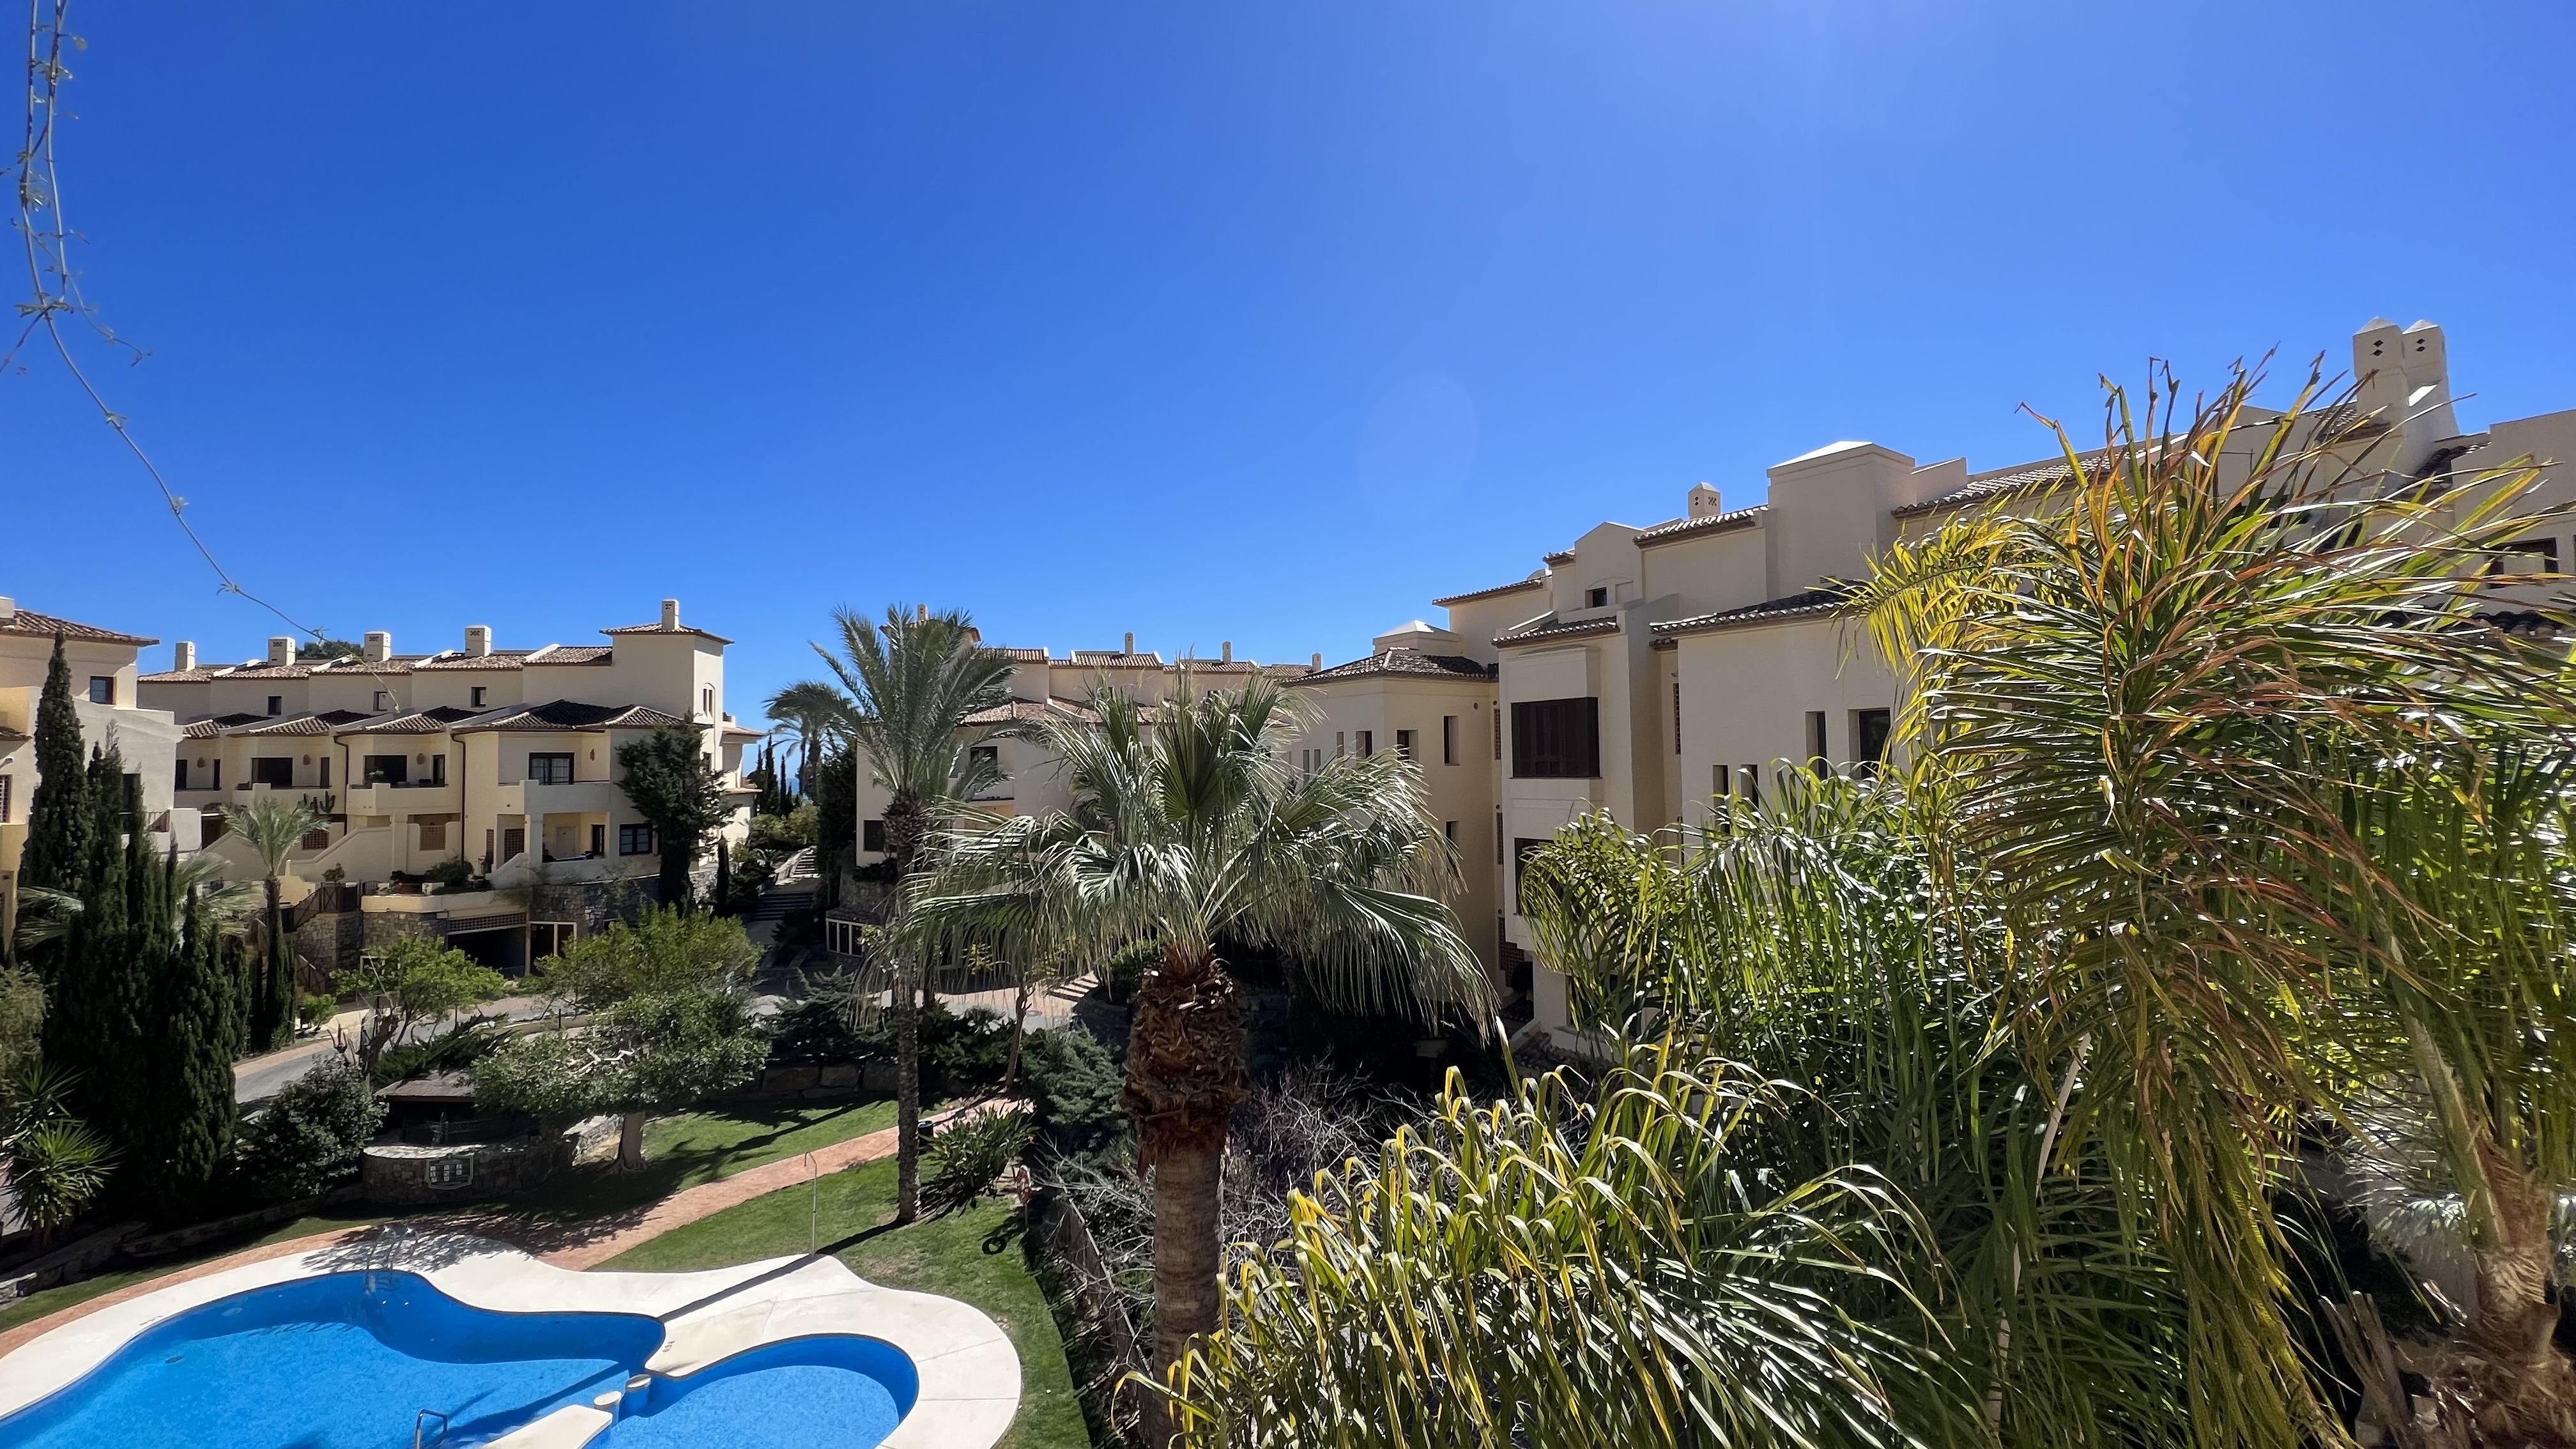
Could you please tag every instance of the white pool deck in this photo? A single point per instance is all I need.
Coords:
(970, 1375)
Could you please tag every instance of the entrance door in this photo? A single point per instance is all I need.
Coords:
(514, 842)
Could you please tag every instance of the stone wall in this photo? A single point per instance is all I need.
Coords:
(399, 1175)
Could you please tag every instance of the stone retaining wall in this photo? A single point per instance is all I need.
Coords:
(397, 1174)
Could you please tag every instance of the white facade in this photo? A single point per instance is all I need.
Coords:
(1644, 671)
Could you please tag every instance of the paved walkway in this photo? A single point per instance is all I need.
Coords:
(564, 1245)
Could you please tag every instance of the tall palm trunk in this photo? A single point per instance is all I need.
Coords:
(907, 824)
(1185, 1074)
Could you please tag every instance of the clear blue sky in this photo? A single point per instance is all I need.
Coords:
(1208, 320)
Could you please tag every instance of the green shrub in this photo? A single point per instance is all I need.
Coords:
(968, 1050)
(1077, 1087)
(317, 1009)
(454, 1049)
(968, 1154)
(1122, 971)
(817, 1029)
(310, 1136)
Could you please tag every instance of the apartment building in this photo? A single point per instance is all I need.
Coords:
(1043, 686)
(503, 758)
(1647, 670)
(103, 670)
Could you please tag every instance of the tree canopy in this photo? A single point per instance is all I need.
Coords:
(672, 784)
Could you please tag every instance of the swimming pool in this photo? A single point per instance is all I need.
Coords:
(351, 1360)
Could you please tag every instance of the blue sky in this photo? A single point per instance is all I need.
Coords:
(1208, 320)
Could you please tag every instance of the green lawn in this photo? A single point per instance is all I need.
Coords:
(680, 1151)
(972, 1256)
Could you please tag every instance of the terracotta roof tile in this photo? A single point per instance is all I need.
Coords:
(1684, 528)
(578, 653)
(1407, 663)
(1559, 559)
(323, 723)
(27, 623)
(432, 721)
(1534, 581)
(498, 659)
(564, 714)
(178, 676)
(1814, 603)
(207, 729)
(658, 629)
(1542, 633)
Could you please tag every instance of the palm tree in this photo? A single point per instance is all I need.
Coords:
(913, 682)
(2271, 806)
(812, 712)
(273, 826)
(1196, 834)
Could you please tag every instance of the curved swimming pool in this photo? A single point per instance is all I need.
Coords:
(350, 1361)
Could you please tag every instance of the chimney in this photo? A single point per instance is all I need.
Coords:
(281, 648)
(478, 640)
(1131, 643)
(380, 646)
(923, 616)
(1227, 651)
(1319, 659)
(8, 608)
(1705, 502)
(670, 616)
(183, 655)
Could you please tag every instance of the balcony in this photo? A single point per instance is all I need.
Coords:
(582, 797)
(426, 797)
(320, 799)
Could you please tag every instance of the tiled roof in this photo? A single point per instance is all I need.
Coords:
(1402, 662)
(1534, 581)
(178, 676)
(2037, 477)
(658, 629)
(1814, 603)
(502, 659)
(564, 714)
(1559, 559)
(207, 729)
(9, 736)
(357, 664)
(326, 722)
(1019, 655)
(1112, 659)
(579, 653)
(432, 721)
(1026, 711)
(262, 669)
(1542, 633)
(1702, 527)
(30, 624)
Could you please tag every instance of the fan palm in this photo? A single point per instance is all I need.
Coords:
(45, 915)
(913, 681)
(1196, 834)
(812, 712)
(2194, 728)
(273, 826)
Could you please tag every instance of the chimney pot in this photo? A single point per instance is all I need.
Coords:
(922, 613)
(183, 655)
(1226, 651)
(478, 640)
(281, 649)
(1706, 502)
(1319, 659)
(671, 614)
(8, 607)
(1131, 643)
(380, 646)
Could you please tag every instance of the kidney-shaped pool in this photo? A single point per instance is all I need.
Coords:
(366, 1360)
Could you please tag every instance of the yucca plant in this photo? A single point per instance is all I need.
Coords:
(2181, 723)
(1195, 833)
(1574, 1266)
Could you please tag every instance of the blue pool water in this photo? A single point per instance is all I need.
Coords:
(348, 1361)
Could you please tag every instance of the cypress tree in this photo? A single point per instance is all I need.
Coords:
(198, 1024)
(58, 818)
(101, 994)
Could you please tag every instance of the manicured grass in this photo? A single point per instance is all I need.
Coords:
(680, 1151)
(974, 1256)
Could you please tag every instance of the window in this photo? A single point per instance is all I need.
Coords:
(474, 696)
(1869, 730)
(179, 782)
(325, 781)
(1341, 744)
(386, 769)
(707, 701)
(433, 836)
(1677, 716)
(554, 769)
(1449, 829)
(985, 757)
(2528, 556)
(1556, 739)
(1498, 837)
(598, 840)
(1404, 743)
(102, 689)
(384, 701)
(1752, 784)
(1366, 740)
(4, 794)
(1816, 746)
(444, 1172)
(634, 840)
(1498, 732)
(438, 769)
(316, 839)
(1448, 739)
(275, 771)
(277, 704)
(549, 938)
(1596, 598)
(872, 836)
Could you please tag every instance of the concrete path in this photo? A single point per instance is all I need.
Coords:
(573, 1245)
(256, 1079)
